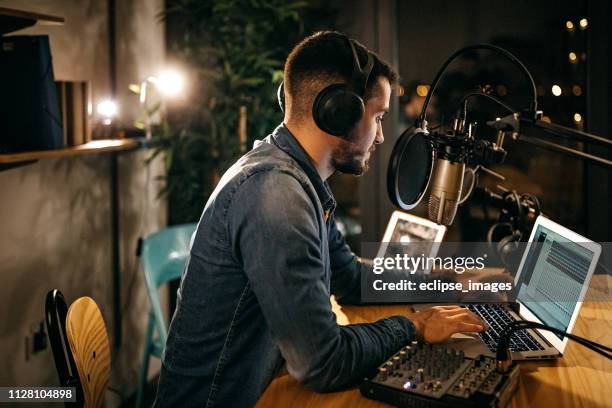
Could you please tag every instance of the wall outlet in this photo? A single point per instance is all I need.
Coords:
(36, 341)
(39, 341)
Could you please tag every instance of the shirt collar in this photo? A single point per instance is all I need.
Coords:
(284, 140)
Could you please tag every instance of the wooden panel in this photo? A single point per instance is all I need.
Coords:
(581, 378)
(97, 146)
(88, 340)
(41, 18)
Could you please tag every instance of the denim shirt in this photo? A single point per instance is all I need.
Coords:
(255, 293)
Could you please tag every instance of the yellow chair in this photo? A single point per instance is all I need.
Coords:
(88, 340)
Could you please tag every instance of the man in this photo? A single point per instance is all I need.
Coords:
(267, 256)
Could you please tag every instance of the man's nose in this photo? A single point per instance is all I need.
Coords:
(380, 138)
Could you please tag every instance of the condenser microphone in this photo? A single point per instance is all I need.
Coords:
(445, 193)
(434, 163)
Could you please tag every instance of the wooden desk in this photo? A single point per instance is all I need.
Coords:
(581, 378)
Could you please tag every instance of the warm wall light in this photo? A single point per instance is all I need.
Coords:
(400, 90)
(584, 23)
(556, 90)
(170, 83)
(422, 90)
(572, 57)
(569, 25)
(107, 109)
(577, 117)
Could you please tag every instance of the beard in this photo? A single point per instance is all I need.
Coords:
(347, 158)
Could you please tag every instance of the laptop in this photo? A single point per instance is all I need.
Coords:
(551, 282)
(405, 230)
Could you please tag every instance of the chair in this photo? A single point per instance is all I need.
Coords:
(89, 344)
(164, 255)
(80, 347)
(55, 319)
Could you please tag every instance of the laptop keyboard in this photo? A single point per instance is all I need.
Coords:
(498, 318)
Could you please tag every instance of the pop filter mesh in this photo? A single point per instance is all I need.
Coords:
(409, 169)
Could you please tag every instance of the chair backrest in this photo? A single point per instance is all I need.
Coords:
(164, 255)
(89, 344)
(165, 252)
(55, 319)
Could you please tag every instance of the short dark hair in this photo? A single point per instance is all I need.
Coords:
(326, 56)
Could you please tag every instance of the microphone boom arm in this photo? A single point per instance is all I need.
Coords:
(529, 130)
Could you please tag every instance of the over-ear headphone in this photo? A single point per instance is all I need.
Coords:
(339, 107)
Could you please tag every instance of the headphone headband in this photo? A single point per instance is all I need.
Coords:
(359, 77)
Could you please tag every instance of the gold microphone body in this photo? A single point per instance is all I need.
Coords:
(447, 180)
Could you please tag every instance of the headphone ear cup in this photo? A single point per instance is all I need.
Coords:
(337, 110)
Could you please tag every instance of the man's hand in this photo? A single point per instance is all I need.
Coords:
(438, 324)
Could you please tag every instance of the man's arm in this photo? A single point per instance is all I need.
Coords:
(277, 239)
(346, 268)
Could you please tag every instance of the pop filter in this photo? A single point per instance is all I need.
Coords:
(409, 170)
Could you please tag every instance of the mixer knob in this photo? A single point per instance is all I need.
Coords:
(420, 376)
(396, 362)
(383, 373)
(402, 356)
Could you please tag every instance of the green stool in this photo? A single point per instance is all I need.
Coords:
(164, 255)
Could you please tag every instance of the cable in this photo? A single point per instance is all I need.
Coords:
(503, 355)
(502, 346)
(464, 102)
(422, 122)
(144, 212)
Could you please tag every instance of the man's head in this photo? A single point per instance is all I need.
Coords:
(326, 58)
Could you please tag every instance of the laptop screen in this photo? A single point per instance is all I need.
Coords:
(552, 277)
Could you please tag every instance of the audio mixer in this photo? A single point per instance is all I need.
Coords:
(427, 375)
